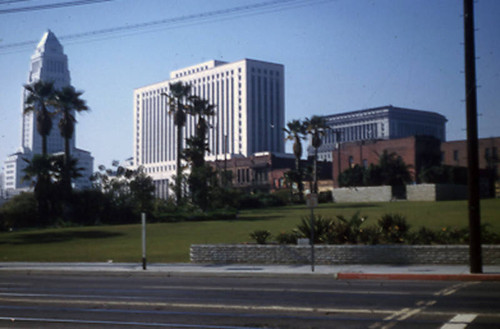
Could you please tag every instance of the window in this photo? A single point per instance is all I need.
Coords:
(455, 155)
(351, 161)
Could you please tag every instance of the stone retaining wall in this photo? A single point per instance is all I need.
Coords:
(362, 194)
(340, 254)
(436, 192)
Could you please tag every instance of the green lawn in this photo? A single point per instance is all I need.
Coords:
(169, 242)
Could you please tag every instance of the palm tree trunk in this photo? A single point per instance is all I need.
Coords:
(66, 170)
(178, 178)
(315, 170)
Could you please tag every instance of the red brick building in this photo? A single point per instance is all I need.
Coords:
(264, 171)
(454, 153)
(416, 151)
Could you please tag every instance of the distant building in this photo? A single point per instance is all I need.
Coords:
(48, 63)
(249, 100)
(416, 151)
(454, 153)
(386, 122)
(265, 171)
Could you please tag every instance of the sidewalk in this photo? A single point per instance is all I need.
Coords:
(341, 272)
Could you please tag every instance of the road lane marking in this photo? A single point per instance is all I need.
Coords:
(233, 307)
(401, 315)
(453, 289)
(281, 290)
(121, 323)
(459, 321)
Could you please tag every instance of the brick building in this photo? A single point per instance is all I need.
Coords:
(416, 151)
(454, 153)
(265, 171)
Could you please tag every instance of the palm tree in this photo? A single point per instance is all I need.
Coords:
(316, 126)
(40, 97)
(195, 153)
(200, 109)
(177, 103)
(67, 101)
(296, 130)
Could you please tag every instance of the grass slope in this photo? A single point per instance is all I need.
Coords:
(169, 242)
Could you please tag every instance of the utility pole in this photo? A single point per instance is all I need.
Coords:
(472, 140)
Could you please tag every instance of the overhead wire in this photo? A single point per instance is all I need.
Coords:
(48, 6)
(168, 23)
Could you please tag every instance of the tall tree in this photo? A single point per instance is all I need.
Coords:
(40, 97)
(316, 126)
(195, 152)
(178, 105)
(67, 101)
(295, 132)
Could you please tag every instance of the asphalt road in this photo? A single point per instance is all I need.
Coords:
(90, 301)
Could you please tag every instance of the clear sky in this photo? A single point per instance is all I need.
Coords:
(339, 55)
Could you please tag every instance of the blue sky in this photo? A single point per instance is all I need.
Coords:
(339, 55)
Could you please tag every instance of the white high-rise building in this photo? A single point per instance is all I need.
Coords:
(250, 114)
(48, 63)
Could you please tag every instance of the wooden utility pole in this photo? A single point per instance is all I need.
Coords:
(472, 140)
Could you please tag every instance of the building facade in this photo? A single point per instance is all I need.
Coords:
(416, 151)
(380, 123)
(265, 171)
(454, 153)
(48, 63)
(249, 115)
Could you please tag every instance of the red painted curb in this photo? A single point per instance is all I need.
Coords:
(415, 276)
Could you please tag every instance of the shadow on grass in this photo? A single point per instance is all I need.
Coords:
(255, 218)
(32, 238)
(356, 206)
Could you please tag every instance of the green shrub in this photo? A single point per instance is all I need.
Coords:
(343, 230)
(369, 235)
(283, 195)
(394, 228)
(452, 235)
(488, 237)
(325, 197)
(287, 238)
(423, 236)
(19, 212)
(321, 228)
(260, 236)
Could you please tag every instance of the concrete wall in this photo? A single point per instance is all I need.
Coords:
(340, 254)
(362, 194)
(436, 192)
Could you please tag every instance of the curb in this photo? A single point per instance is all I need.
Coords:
(418, 277)
(168, 274)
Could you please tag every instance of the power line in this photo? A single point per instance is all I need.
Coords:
(191, 19)
(47, 6)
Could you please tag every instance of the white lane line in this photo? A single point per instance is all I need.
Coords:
(121, 323)
(401, 315)
(233, 307)
(453, 289)
(332, 291)
(459, 321)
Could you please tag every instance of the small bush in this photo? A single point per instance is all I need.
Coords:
(325, 197)
(287, 238)
(321, 228)
(19, 212)
(260, 236)
(452, 235)
(394, 228)
(423, 236)
(369, 235)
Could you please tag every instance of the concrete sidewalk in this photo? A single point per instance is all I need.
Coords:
(343, 272)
